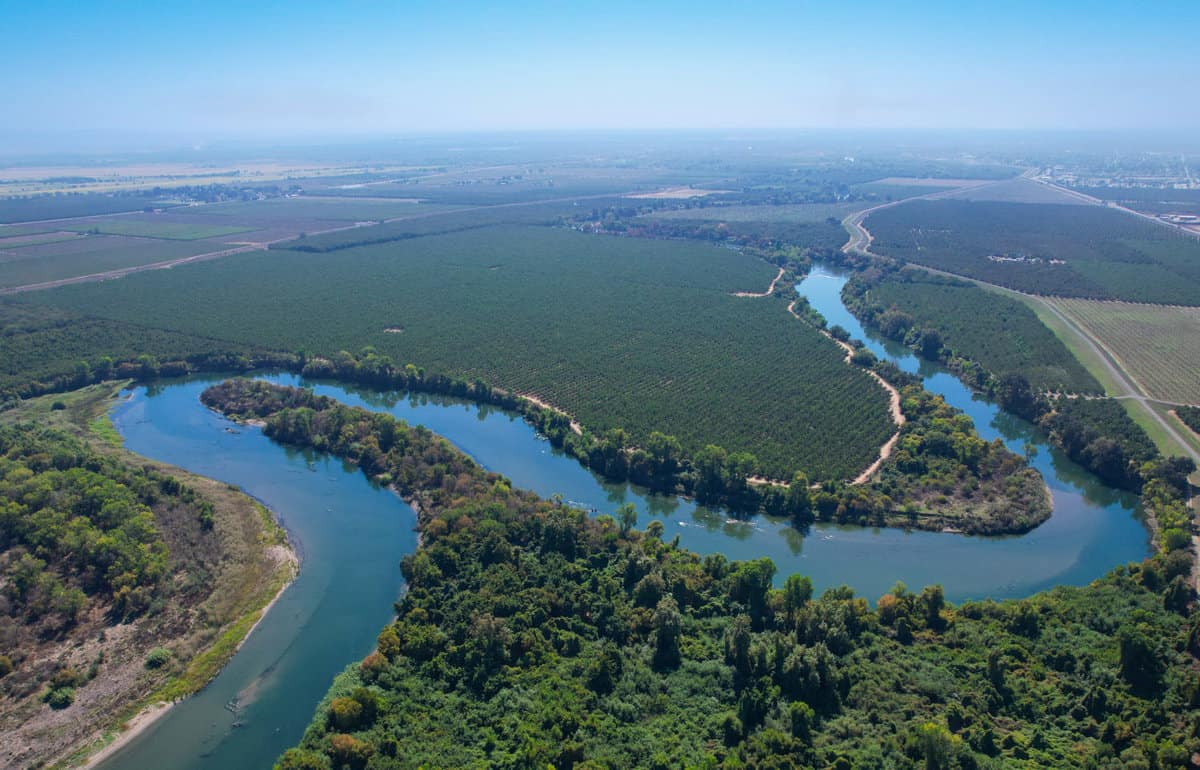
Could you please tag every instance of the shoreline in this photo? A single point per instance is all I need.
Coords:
(150, 713)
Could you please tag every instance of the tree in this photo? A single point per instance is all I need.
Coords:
(931, 343)
(627, 515)
(797, 590)
(1140, 663)
(1015, 394)
(751, 582)
(668, 624)
(932, 600)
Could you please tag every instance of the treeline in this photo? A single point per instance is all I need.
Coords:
(533, 636)
(979, 335)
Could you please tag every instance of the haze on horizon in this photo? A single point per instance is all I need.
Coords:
(226, 70)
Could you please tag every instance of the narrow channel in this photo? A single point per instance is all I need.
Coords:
(351, 536)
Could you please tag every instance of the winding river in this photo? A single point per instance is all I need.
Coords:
(351, 535)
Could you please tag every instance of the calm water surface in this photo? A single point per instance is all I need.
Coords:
(352, 534)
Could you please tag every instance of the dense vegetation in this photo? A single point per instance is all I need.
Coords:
(1072, 251)
(75, 525)
(533, 636)
(43, 349)
(629, 334)
(943, 475)
(1190, 416)
(980, 335)
(1100, 435)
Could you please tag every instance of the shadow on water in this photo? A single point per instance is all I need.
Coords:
(352, 535)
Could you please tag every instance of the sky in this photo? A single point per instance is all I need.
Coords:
(236, 69)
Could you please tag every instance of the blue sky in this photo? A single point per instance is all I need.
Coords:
(296, 68)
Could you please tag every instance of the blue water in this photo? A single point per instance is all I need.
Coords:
(352, 536)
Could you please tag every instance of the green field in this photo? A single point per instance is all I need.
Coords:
(629, 333)
(999, 333)
(1156, 346)
(92, 254)
(1072, 251)
(150, 229)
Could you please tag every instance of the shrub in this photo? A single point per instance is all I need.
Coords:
(60, 697)
(6, 665)
(158, 657)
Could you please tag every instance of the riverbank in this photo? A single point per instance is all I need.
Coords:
(222, 576)
(156, 708)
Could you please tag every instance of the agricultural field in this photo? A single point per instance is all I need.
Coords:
(274, 210)
(8, 242)
(1157, 346)
(64, 206)
(894, 191)
(519, 183)
(636, 334)
(148, 228)
(1001, 334)
(1017, 190)
(91, 254)
(39, 343)
(799, 213)
(454, 220)
(1073, 251)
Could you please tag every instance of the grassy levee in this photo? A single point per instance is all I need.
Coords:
(220, 577)
(623, 333)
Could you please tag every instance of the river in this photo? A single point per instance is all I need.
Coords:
(351, 535)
